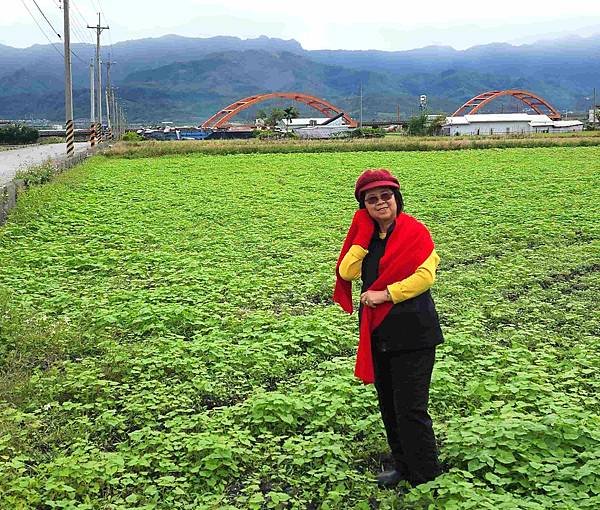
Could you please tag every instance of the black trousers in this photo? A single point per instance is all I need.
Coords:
(402, 381)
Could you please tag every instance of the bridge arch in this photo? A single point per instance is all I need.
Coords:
(220, 118)
(538, 104)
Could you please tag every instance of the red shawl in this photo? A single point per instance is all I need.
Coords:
(408, 246)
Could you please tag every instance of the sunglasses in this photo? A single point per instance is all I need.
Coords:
(386, 196)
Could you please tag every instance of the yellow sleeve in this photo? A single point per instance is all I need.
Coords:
(351, 265)
(418, 282)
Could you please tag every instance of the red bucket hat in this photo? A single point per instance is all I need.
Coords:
(374, 178)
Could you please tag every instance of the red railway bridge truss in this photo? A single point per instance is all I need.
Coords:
(221, 118)
(535, 102)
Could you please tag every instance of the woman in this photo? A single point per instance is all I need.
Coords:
(395, 257)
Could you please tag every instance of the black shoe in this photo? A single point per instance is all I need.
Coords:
(389, 479)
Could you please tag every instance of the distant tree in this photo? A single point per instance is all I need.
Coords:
(261, 114)
(435, 126)
(132, 136)
(16, 134)
(276, 115)
(291, 112)
(417, 126)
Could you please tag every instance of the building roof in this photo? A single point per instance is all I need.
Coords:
(305, 121)
(567, 123)
(532, 120)
(541, 123)
(497, 117)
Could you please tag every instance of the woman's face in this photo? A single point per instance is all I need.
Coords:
(381, 204)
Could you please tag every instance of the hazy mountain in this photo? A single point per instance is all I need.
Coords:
(189, 79)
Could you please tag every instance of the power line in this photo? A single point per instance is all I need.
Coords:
(110, 41)
(78, 32)
(46, 35)
(82, 20)
(101, 10)
(76, 28)
(41, 29)
(78, 57)
(75, 25)
(47, 20)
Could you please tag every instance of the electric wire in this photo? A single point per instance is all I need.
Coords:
(76, 30)
(82, 22)
(78, 57)
(110, 41)
(46, 18)
(110, 49)
(73, 53)
(41, 29)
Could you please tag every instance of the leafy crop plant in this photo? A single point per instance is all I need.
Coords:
(168, 339)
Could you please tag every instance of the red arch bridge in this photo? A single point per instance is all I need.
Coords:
(221, 118)
(533, 101)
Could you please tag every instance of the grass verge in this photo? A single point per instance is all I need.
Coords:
(222, 147)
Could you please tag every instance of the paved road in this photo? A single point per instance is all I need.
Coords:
(18, 159)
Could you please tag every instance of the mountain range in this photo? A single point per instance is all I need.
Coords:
(188, 79)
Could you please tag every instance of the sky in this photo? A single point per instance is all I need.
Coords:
(316, 24)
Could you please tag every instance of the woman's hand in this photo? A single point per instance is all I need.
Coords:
(372, 298)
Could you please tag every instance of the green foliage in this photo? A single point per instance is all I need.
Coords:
(367, 132)
(291, 112)
(275, 115)
(434, 127)
(417, 126)
(37, 174)
(15, 134)
(132, 136)
(168, 339)
(48, 140)
(387, 144)
(267, 135)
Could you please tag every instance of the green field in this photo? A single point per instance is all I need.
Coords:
(168, 340)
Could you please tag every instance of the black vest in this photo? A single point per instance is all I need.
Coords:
(410, 325)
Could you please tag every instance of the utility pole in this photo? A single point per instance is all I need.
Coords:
(120, 115)
(108, 123)
(68, 83)
(92, 108)
(594, 110)
(113, 106)
(99, 101)
(98, 28)
(123, 120)
(361, 106)
(109, 117)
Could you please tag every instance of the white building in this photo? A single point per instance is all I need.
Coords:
(506, 124)
(311, 122)
(318, 127)
(327, 131)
